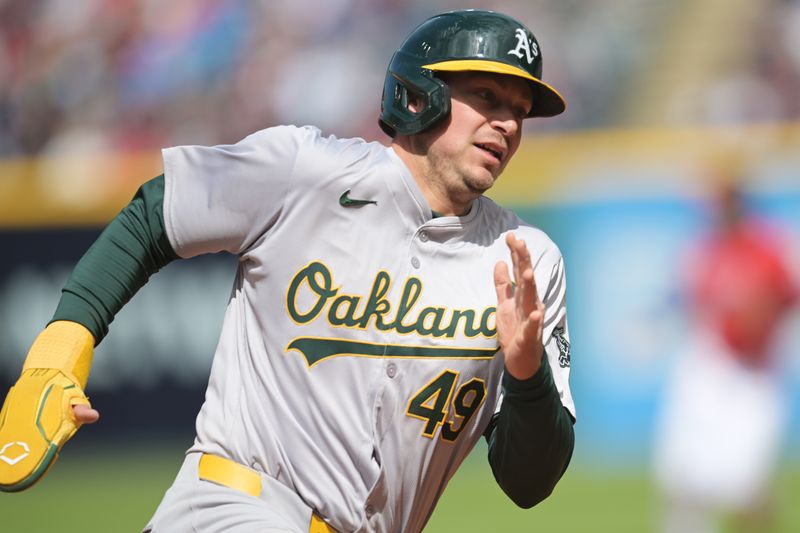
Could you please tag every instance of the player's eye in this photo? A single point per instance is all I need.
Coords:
(485, 95)
(520, 112)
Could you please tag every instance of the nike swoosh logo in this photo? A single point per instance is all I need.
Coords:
(346, 201)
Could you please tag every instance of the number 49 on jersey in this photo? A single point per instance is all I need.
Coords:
(432, 403)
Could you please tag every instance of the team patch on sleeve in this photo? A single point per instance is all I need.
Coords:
(563, 347)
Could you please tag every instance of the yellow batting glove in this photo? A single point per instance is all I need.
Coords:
(37, 417)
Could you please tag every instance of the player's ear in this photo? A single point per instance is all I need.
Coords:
(415, 102)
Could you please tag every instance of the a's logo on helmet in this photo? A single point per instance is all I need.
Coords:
(526, 45)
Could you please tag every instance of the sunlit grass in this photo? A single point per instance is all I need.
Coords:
(118, 488)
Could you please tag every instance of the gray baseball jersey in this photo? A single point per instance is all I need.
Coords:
(358, 361)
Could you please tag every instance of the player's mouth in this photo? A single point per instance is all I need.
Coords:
(493, 150)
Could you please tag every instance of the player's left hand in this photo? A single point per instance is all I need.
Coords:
(520, 312)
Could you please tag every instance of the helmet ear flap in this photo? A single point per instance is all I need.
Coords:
(406, 80)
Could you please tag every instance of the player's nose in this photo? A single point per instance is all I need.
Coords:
(506, 122)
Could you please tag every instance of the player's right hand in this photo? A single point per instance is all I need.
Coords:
(42, 411)
(84, 414)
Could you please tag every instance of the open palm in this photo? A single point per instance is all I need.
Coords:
(520, 312)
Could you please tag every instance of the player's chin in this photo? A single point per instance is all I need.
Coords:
(491, 172)
(481, 181)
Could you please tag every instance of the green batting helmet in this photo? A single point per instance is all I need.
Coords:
(457, 41)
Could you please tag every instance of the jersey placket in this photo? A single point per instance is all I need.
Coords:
(388, 404)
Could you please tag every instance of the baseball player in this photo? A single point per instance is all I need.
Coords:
(723, 421)
(384, 316)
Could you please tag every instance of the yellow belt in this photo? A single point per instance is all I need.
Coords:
(235, 476)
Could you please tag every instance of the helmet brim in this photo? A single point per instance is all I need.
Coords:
(547, 102)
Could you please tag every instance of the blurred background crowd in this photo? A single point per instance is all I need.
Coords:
(673, 107)
(142, 74)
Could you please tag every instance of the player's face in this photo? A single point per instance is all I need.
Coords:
(470, 148)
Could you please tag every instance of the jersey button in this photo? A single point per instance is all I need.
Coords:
(370, 510)
(391, 370)
(415, 262)
(423, 236)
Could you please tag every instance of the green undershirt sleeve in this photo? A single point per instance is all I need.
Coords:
(133, 247)
(531, 439)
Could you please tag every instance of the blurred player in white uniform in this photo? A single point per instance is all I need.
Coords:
(385, 314)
